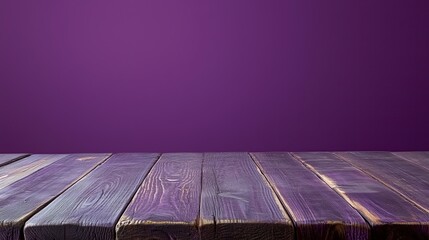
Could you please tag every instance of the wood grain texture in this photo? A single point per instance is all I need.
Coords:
(26, 166)
(419, 158)
(167, 203)
(26, 196)
(317, 210)
(9, 158)
(389, 214)
(237, 202)
(91, 207)
(405, 177)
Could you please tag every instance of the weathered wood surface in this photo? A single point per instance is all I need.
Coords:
(408, 179)
(317, 211)
(26, 166)
(23, 198)
(419, 158)
(216, 196)
(9, 158)
(390, 215)
(166, 205)
(237, 202)
(91, 207)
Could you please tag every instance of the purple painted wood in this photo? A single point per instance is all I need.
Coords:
(9, 158)
(408, 179)
(317, 211)
(237, 202)
(91, 207)
(167, 203)
(25, 197)
(390, 215)
(419, 158)
(26, 166)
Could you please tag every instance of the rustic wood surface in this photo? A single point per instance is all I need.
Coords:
(419, 158)
(317, 210)
(408, 179)
(167, 204)
(8, 158)
(26, 166)
(237, 202)
(390, 215)
(91, 207)
(23, 198)
(348, 195)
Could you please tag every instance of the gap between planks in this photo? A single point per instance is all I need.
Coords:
(381, 177)
(405, 220)
(304, 199)
(12, 222)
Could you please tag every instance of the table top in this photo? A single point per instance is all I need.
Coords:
(215, 195)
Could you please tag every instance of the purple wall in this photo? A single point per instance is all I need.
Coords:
(224, 75)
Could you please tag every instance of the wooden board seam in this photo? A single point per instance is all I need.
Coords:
(327, 182)
(65, 189)
(24, 155)
(198, 220)
(409, 161)
(384, 184)
(119, 221)
(277, 195)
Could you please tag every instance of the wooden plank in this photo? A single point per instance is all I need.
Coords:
(26, 166)
(408, 179)
(91, 207)
(25, 197)
(9, 158)
(167, 203)
(390, 215)
(237, 202)
(317, 211)
(419, 158)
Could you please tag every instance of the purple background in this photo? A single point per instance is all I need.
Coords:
(224, 75)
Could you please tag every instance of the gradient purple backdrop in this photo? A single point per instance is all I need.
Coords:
(224, 75)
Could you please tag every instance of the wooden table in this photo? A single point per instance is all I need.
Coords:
(233, 195)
